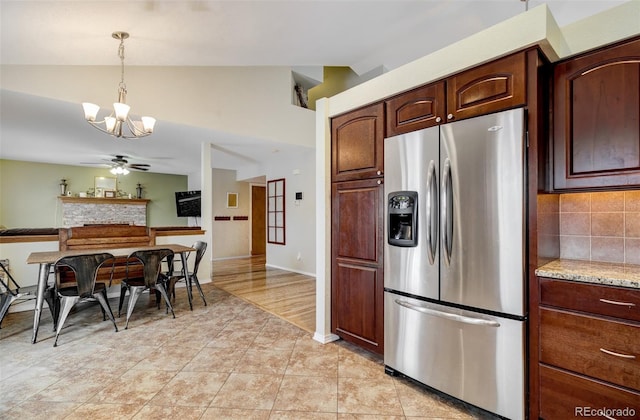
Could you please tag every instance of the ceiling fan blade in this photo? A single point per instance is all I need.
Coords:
(136, 168)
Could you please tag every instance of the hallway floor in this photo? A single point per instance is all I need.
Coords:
(228, 360)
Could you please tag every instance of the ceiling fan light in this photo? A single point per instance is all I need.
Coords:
(114, 171)
(125, 171)
(148, 123)
(122, 110)
(110, 123)
(90, 111)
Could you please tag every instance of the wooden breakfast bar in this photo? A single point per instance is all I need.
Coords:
(47, 258)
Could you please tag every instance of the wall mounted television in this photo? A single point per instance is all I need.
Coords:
(188, 203)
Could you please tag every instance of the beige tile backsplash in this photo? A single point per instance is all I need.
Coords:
(603, 226)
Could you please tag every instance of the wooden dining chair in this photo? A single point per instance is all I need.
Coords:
(67, 295)
(151, 279)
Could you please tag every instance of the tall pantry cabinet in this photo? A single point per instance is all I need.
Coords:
(357, 141)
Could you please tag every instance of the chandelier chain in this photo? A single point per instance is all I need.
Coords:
(121, 55)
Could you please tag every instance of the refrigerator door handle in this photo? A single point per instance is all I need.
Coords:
(432, 202)
(446, 315)
(447, 212)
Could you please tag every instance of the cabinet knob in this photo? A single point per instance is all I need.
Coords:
(379, 182)
(379, 172)
(450, 116)
(438, 119)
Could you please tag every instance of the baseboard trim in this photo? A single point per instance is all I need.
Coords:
(290, 269)
(324, 339)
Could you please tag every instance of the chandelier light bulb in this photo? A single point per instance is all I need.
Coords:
(90, 111)
(122, 111)
(110, 124)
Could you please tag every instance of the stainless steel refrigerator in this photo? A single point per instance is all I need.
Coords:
(454, 259)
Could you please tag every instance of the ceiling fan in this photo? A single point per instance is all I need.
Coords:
(120, 165)
(120, 162)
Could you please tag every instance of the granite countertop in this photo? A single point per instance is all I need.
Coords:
(613, 274)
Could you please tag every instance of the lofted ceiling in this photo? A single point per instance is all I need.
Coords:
(361, 34)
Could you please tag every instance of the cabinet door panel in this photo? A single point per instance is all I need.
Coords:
(564, 395)
(357, 220)
(600, 348)
(488, 88)
(417, 109)
(357, 305)
(357, 141)
(596, 128)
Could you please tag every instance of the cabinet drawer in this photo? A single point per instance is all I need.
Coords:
(612, 301)
(564, 395)
(602, 349)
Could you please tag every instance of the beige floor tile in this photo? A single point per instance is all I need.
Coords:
(190, 389)
(245, 390)
(80, 386)
(301, 415)
(134, 387)
(265, 361)
(305, 393)
(171, 357)
(163, 412)
(39, 410)
(368, 396)
(97, 411)
(216, 413)
(215, 359)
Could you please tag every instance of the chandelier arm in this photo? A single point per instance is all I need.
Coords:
(135, 130)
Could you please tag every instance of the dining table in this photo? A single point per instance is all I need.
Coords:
(47, 258)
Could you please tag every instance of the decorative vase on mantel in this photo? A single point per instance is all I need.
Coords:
(139, 190)
(63, 187)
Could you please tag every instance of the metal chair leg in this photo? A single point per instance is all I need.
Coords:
(66, 303)
(106, 308)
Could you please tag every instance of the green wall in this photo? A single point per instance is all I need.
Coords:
(29, 192)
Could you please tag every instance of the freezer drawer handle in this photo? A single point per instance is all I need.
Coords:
(452, 317)
(613, 353)
(613, 302)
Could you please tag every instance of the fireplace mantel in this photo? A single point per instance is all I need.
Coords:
(100, 200)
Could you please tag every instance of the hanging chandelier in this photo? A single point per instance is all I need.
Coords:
(119, 123)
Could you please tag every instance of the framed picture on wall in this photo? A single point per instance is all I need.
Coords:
(232, 200)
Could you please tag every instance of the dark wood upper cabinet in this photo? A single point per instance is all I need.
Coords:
(491, 87)
(357, 143)
(417, 109)
(596, 119)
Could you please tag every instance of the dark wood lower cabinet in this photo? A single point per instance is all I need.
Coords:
(357, 270)
(564, 395)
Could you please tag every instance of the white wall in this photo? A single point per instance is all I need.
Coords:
(230, 238)
(298, 254)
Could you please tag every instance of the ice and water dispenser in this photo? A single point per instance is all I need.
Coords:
(402, 223)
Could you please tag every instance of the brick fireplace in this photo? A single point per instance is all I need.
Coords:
(78, 211)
